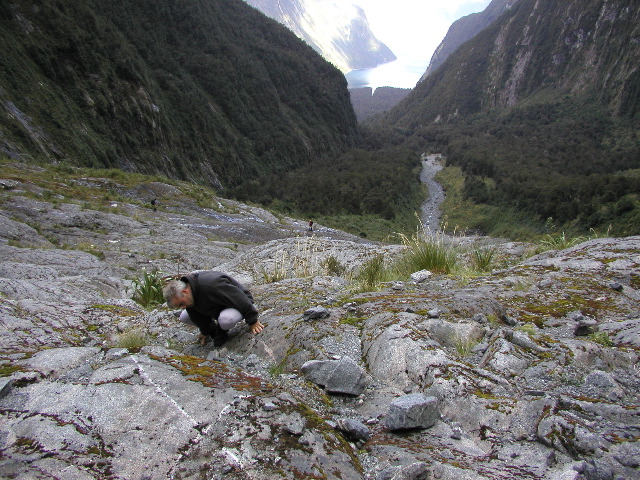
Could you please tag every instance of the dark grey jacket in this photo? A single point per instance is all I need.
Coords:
(212, 293)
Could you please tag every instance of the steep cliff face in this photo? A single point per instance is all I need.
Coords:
(338, 31)
(465, 29)
(209, 91)
(571, 47)
(538, 50)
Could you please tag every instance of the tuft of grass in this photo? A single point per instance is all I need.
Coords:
(279, 270)
(464, 346)
(351, 320)
(6, 369)
(280, 367)
(147, 290)
(528, 328)
(300, 261)
(92, 249)
(369, 277)
(483, 258)
(426, 252)
(133, 339)
(560, 242)
(333, 266)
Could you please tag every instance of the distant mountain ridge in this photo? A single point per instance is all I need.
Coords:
(537, 48)
(465, 29)
(368, 102)
(339, 31)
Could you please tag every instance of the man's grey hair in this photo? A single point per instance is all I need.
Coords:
(173, 290)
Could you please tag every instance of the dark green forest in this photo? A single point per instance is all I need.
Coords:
(360, 182)
(560, 163)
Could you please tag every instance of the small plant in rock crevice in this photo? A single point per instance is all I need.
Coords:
(527, 328)
(92, 249)
(351, 320)
(369, 276)
(464, 345)
(6, 369)
(133, 339)
(482, 258)
(601, 338)
(147, 290)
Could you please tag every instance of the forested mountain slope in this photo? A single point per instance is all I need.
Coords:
(211, 91)
(541, 113)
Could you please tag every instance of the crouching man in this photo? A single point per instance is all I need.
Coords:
(213, 302)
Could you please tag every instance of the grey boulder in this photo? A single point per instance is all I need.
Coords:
(412, 411)
(337, 376)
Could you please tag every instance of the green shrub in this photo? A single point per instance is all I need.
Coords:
(333, 266)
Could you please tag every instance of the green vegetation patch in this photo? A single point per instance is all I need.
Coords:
(6, 369)
(543, 308)
(216, 374)
(147, 289)
(279, 368)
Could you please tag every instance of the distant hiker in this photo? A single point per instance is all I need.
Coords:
(213, 302)
(311, 225)
(153, 204)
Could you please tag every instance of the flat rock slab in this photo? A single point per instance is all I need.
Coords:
(153, 414)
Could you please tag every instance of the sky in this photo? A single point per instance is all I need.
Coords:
(403, 25)
(412, 29)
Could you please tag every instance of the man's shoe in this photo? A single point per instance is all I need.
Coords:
(220, 337)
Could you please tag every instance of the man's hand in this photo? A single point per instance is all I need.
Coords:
(202, 339)
(256, 327)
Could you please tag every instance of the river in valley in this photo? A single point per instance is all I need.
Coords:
(430, 210)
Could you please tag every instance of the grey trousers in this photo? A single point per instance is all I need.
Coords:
(227, 318)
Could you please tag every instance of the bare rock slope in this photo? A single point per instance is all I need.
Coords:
(526, 372)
